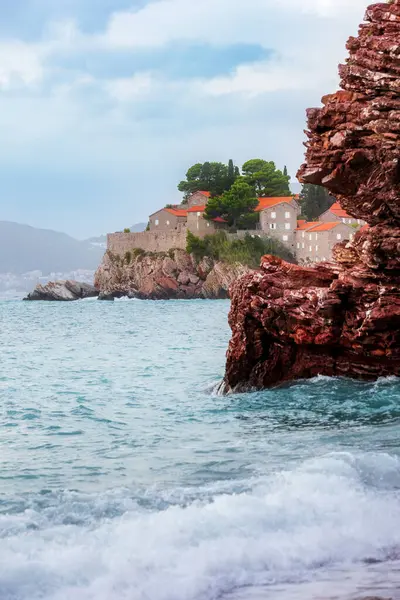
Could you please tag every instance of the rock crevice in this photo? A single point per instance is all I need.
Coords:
(343, 318)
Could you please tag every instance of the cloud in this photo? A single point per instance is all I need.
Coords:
(129, 89)
(129, 134)
(21, 64)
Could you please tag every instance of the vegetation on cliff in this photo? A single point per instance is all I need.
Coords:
(247, 251)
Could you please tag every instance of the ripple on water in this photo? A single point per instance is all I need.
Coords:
(124, 474)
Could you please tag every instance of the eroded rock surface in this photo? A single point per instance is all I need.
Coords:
(165, 276)
(63, 291)
(341, 319)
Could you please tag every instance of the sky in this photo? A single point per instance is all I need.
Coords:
(105, 104)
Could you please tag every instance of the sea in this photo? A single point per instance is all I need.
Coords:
(125, 476)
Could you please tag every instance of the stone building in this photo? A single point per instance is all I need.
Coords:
(167, 219)
(278, 219)
(337, 213)
(198, 225)
(198, 199)
(315, 240)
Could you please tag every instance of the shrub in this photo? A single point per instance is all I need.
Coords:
(128, 257)
(138, 252)
(247, 251)
(127, 230)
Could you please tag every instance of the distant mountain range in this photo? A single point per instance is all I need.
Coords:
(24, 249)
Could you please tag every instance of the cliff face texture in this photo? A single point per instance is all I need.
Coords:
(164, 276)
(290, 322)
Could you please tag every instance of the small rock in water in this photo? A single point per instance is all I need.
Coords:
(62, 291)
(106, 297)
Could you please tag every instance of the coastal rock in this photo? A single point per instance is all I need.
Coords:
(343, 318)
(63, 291)
(165, 276)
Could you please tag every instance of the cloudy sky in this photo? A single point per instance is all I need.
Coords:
(104, 104)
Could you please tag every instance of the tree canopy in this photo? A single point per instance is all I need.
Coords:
(213, 177)
(235, 206)
(314, 200)
(266, 179)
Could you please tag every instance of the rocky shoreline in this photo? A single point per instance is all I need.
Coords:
(290, 322)
(163, 276)
(148, 276)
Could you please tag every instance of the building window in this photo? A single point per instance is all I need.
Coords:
(298, 245)
(285, 238)
(208, 224)
(156, 222)
(287, 225)
(287, 215)
(316, 237)
(303, 234)
(310, 237)
(338, 236)
(272, 225)
(310, 248)
(303, 245)
(273, 215)
(316, 248)
(167, 222)
(199, 214)
(359, 221)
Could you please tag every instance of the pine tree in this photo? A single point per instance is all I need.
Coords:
(314, 200)
(230, 180)
(266, 180)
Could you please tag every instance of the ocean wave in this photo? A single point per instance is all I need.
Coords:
(295, 526)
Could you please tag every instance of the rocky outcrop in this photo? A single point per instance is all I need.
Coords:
(163, 276)
(63, 291)
(290, 322)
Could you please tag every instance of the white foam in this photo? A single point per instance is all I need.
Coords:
(329, 512)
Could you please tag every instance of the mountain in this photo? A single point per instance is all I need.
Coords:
(24, 249)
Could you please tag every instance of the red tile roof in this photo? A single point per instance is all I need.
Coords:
(200, 208)
(317, 225)
(177, 212)
(304, 225)
(338, 211)
(219, 220)
(326, 226)
(264, 203)
(207, 194)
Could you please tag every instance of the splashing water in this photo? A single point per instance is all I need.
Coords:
(124, 477)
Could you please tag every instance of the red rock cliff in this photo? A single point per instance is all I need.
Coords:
(341, 319)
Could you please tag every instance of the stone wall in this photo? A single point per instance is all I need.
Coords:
(150, 241)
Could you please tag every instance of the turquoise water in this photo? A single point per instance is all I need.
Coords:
(124, 476)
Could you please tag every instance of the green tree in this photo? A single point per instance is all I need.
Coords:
(236, 206)
(314, 200)
(208, 177)
(265, 178)
(231, 175)
(285, 171)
